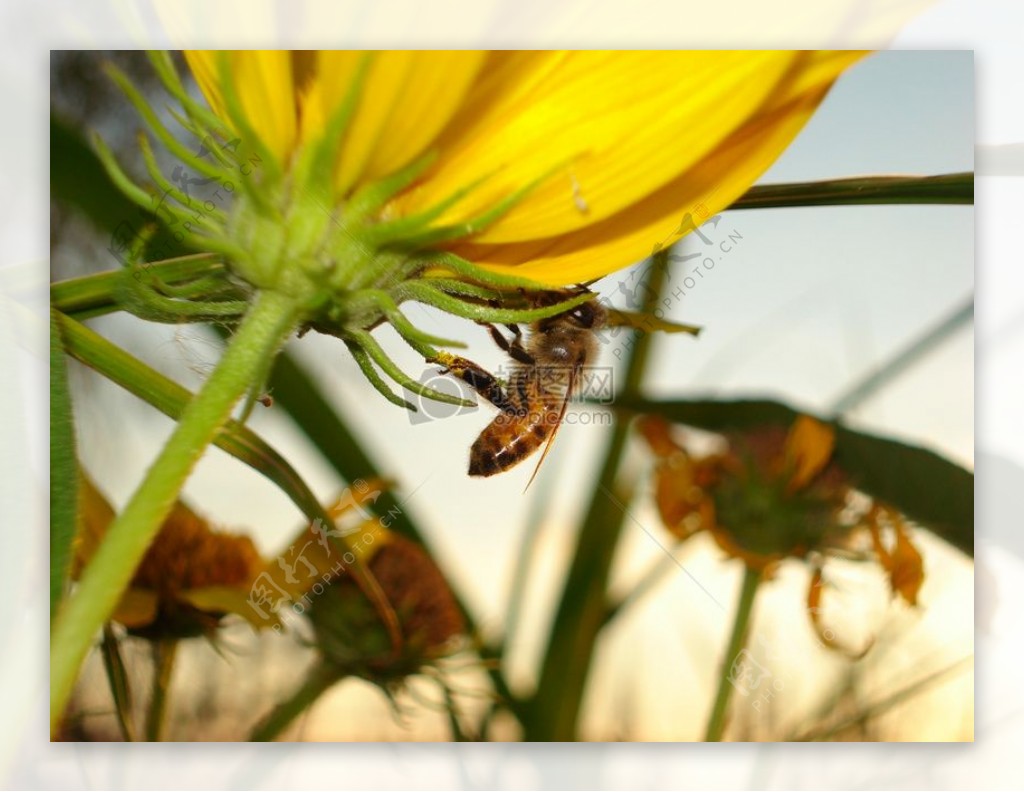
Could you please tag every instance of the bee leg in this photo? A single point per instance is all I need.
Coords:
(519, 353)
(478, 378)
(517, 350)
(514, 347)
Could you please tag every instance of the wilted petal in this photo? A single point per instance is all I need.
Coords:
(825, 634)
(228, 599)
(137, 608)
(808, 449)
(907, 573)
(678, 497)
(904, 563)
(658, 434)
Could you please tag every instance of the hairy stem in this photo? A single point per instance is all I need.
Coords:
(268, 324)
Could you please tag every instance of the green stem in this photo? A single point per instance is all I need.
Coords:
(96, 294)
(946, 188)
(164, 652)
(320, 679)
(716, 723)
(270, 321)
(117, 676)
(553, 712)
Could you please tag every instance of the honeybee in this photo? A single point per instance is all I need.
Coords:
(545, 374)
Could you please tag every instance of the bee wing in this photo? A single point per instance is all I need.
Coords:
(561, 414)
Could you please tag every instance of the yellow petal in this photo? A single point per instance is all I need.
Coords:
(435, 86)
(317, 553)
(407, 99)
(228, 599)
(264, 83)
(362, 492)
(137, 608)
(661, 218)
(336, 72)
(808, 449)
(615, 125)
(203, 65)
(816, 69)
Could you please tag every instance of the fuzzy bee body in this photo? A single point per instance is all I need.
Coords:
(534, 402)
(515, 434)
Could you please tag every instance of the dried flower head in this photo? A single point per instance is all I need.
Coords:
(349, 630)
(191, 577)
(776, 493)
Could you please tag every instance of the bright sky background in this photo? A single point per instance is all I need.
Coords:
(806, 302)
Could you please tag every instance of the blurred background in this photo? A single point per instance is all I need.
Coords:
(804, 305)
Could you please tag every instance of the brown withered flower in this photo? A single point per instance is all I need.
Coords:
(191, 577)
(776, 494)
(351, 634)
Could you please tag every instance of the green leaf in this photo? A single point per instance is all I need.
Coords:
(648, 322)
(63, 469)
(949, 188)
(925, 486)
(117, 676)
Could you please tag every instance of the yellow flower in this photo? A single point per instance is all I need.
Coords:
(189, 579)
(775, 495)
(345, 184)
(563, 165)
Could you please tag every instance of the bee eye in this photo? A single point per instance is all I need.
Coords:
(582, 314)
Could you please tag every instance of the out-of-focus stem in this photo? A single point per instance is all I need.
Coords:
(164, 652)
(717, 721)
